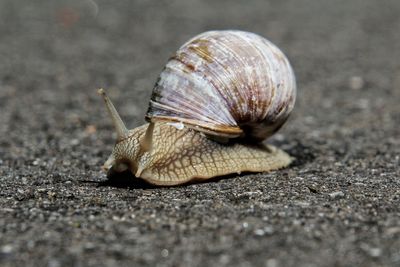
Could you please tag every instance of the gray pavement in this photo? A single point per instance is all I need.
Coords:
(337, 205)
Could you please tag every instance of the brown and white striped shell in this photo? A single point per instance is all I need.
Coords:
(226, 83)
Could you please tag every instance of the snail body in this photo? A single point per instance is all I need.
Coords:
(217, 99)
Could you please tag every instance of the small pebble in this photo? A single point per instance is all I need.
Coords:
(271, 263)
(336, 195)
(224, 259)
(259, 232)
(6, 249)
(375, 252)
(74, 142)
(164, 253)
(356, 82)
(268, 230)
(118, 219)
(392, 231)
(90, 129)
(53, 263)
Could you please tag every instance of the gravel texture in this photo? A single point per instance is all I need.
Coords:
(337, 205)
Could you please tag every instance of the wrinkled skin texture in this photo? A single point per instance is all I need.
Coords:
(181, 155)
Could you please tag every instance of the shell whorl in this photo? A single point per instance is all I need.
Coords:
(226, 83)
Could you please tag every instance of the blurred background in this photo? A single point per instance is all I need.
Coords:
(77, 46)
(337, 205)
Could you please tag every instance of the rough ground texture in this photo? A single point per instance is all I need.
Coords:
(337, 205)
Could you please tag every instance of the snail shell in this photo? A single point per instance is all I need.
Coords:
(220, 84)
(226, 83)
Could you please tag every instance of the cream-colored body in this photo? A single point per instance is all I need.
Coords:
(181, 155)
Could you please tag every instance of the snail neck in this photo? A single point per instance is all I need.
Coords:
(128, 152)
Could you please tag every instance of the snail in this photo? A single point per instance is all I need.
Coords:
(218, 97)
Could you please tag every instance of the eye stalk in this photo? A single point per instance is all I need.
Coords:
(122, 131)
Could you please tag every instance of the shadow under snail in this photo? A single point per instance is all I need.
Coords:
(218, 97)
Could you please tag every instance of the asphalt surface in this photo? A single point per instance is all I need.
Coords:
(336, 205)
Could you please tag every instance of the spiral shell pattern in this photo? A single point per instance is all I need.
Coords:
(226, 83)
